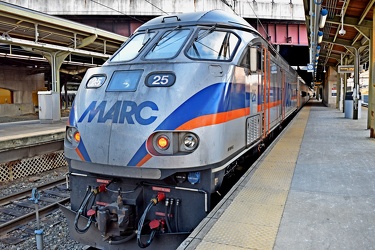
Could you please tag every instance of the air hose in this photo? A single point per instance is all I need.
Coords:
(152, 203)
(167, 215)
(176, 214)
(84, 204)
(126, 239)
(140, 225)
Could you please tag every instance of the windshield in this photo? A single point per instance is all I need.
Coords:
(132, 48)
(169, 44)
(213, 45)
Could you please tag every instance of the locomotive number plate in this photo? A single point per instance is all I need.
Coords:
(160, 79)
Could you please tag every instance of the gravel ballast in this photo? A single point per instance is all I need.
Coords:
(55, 228)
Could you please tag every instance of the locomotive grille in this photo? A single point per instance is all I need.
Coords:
(252, 129)
(29, 166)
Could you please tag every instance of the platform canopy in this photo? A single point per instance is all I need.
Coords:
(346, 29)
(52, 38)
(25, 27)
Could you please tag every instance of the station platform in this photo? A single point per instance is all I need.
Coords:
(313, 188)
(27, 133)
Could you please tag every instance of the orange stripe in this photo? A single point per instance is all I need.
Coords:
(275, 104)
(207, 120)
(269, 105)
(79, 154)
(144, 160)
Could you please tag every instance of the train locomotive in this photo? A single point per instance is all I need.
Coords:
(154, 131)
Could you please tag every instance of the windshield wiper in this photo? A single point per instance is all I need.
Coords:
(146, 38)
(165, 35)
(206, 33)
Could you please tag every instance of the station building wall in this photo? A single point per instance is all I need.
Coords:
(22, 86)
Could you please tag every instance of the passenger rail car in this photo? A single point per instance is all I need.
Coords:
(154, 131)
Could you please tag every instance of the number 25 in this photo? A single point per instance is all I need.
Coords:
(160, 80)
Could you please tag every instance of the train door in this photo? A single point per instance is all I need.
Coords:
(253, 122)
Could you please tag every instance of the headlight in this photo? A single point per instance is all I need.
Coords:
(190, 141)
(96, 81)
(69, 134)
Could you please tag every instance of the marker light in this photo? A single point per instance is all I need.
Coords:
(163, 142)
(194, 177)
(96, 81)
(180, 177)
(77, 136)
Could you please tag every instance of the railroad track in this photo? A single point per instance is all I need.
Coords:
(17, 210)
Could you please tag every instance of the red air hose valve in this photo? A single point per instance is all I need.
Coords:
(160, 196)
(154, 224)
(101, 188)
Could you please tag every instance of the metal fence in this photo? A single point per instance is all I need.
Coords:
(29, 166)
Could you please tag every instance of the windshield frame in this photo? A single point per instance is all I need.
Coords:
(131, 39)
(209, 30)
(160, 37)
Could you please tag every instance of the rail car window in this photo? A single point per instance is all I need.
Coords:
(133, 47)
(213, 45)
(169, 44)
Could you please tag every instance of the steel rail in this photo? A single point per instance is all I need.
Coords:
(43, 211)
(23, 194)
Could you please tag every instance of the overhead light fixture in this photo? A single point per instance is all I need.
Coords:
(342, 31)
(323, 18)
(320, 36)
(324, 69)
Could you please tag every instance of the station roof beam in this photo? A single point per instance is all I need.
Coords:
(54, 38)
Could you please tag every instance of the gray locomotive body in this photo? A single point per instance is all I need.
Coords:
(153, 132)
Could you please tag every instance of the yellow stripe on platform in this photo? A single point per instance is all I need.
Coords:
(252, 219)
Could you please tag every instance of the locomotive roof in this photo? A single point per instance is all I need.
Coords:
(212, 17)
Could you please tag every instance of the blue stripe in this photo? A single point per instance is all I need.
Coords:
(73, 122)
(141, 153)
(72, 115)
(82, 149)
(217, 98)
